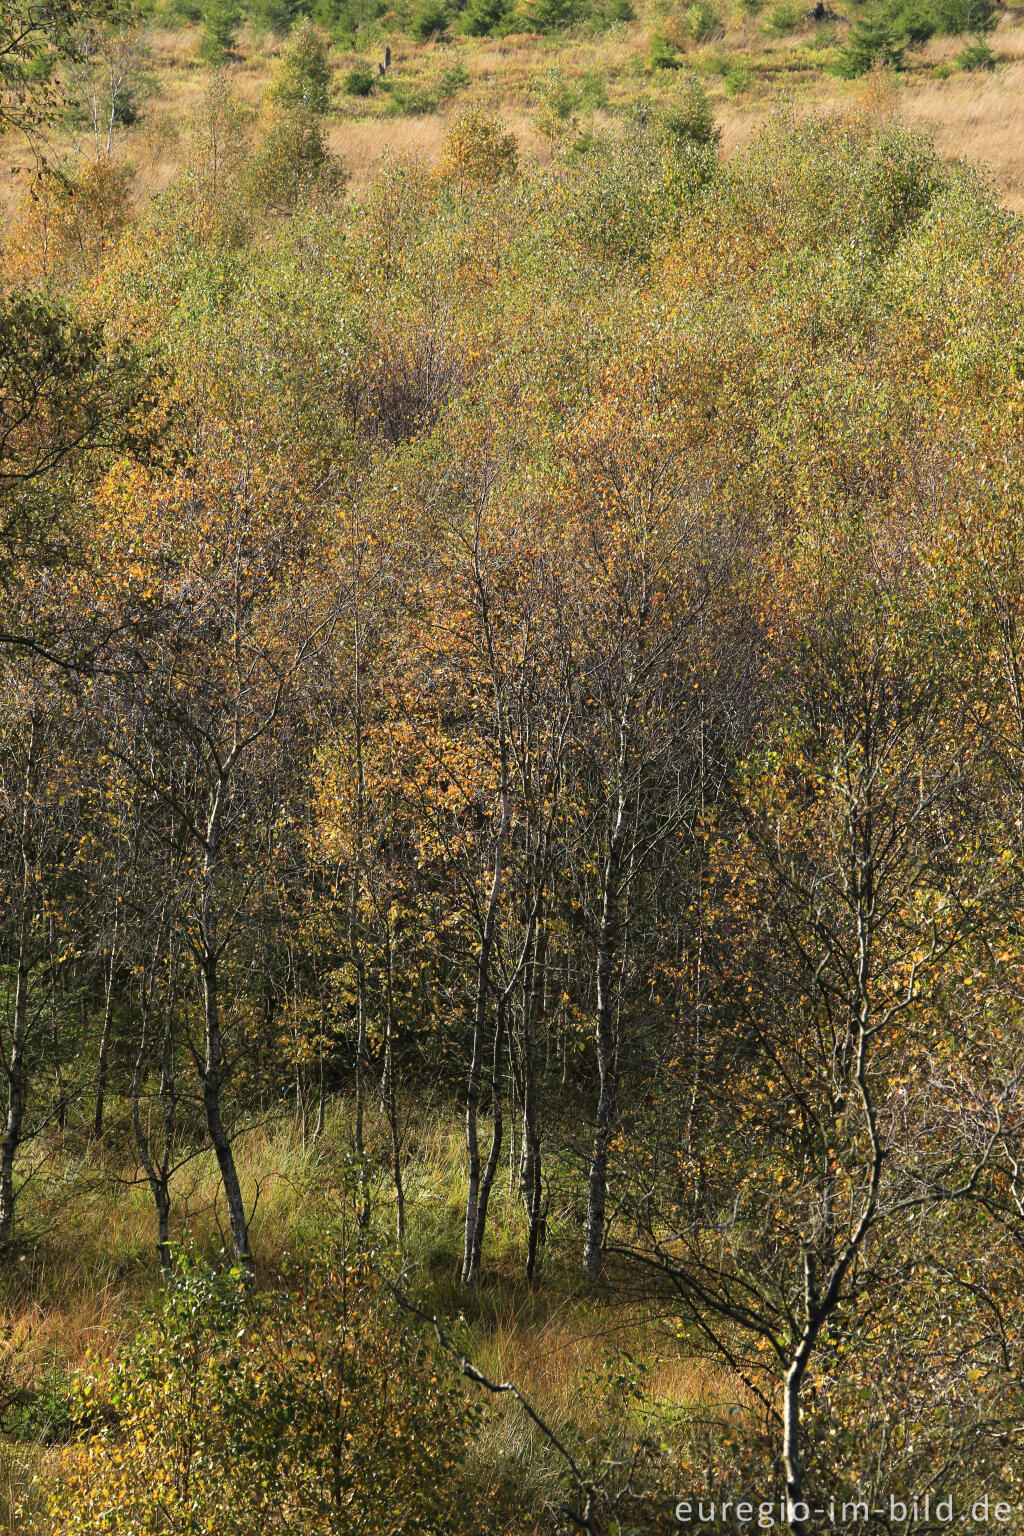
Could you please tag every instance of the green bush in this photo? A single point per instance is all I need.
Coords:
(454, 79)
(977, 56)
(818, 183)
(703, 21)
(870, 41)
(594, 90)
(293, 164)
(737, 78)
(221, 20)
(824, 37)
(275, 15)
(782, 18)
(180, 13)
(552, 15)
(476, 153)
(409, 101)
(640, 186)
(559, 101)
(483, 18)
(314, 1409)
(359, 81)
(429, 20)
(913, 20)
(688, 118)
(662, 55)
(954, 17)
(347, 22)
(304, 74)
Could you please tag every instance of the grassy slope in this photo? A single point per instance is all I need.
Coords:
(977, 115)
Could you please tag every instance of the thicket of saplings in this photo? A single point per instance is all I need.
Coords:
(542, 650)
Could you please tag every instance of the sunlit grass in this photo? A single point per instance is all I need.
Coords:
(86, 1264)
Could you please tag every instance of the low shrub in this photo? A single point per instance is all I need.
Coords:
(476, 152)
(871, 42)
(662, 55)
(782, 18)
(977, 56)
(359, 81)
(315, 1409)
(703, 21)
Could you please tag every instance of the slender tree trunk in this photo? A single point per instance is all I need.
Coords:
(157, 1174)
(16, 1076)
(212, 1082)
(530, 1169)
(473, 1231)
(321, 1094)
(479, 1187)
(212, 1065)
(792, 1466)
(16, 1088)
(389, 1089)
(302, 1103)
(607, 1041)
(58, 988)
(497, 1133)
(108, 1015)
(358, 1139)
(354, 938)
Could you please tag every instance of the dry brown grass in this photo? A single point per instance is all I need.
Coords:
(978, 116)
(364, 145)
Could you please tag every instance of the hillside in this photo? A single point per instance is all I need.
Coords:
(511, 780)
(962, 83)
